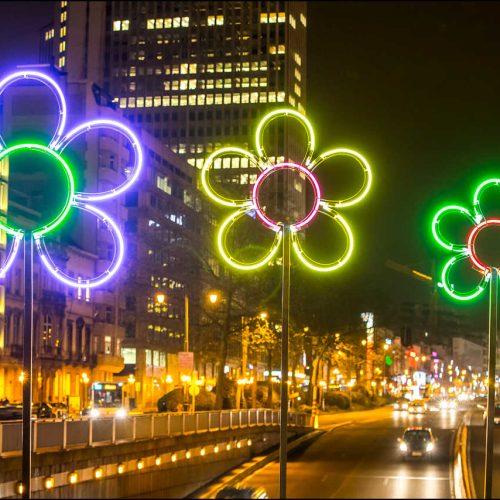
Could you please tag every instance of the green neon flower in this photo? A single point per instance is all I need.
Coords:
(250, 206)
(466, 251)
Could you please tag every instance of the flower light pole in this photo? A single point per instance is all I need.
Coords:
(35, 237)
(285, 234)
(488, 275)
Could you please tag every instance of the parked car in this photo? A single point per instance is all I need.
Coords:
(43, 410)
(241, 492)
(11, 412)
(61, 410)
(417, 442)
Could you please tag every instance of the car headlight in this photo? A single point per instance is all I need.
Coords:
(430, 447)
(444, 405)
(121, 413)
(403, 446)
(396, 406)
(94, 413)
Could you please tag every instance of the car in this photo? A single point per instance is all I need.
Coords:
(11, 412)
(401, 404)
(43, 410)
(241, 492)
(417, 442)
(496, 417)
(61, 410)
(417, 406)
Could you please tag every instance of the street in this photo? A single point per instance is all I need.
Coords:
(361, 459)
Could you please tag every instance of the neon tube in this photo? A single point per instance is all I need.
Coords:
(436, 231)
(53, 86)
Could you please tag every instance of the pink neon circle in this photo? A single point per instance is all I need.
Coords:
(471, 240)
(287, 166)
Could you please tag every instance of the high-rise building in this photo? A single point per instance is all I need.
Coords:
(197, 75)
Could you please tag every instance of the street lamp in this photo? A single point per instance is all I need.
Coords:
(213, 297)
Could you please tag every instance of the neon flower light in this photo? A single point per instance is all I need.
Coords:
(467, 250)
(55, 149)
(306, 168)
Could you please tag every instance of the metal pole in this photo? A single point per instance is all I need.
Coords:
(186, 322)
(285, 312)
(492, 355)
(27, 365)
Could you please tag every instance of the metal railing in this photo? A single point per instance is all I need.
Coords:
(65, 434)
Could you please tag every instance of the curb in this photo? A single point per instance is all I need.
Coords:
(257, 463)
(462, 483)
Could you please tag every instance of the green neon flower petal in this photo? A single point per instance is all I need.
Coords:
(70, 189)
(436, 230)
(367, 175)
(224, 251)
(450, 288)
(479, 216)
(284, 113)
(335, 264)
(205, 176)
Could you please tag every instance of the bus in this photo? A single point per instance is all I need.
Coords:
(107, 400)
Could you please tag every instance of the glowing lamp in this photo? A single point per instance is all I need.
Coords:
(73, 199)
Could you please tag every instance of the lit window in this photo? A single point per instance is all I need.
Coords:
(62, 61)
(297, 90)
(62, 32)
(210, 68)
(199, 163)
(263, 17)
(149, 102)
(271, 97)
(183, 84)
(281, 49)
(123, 102)
(184, 69)
(293, 24)
(117, 25)
(167, 22)
(272, 49)
(131, 102)
(176, 22)
(125, 25)
(273, 17)
(192, 67)
(150, 24)
(301, 109)
(303, 20)
(132, 71)
(211, 21)
(157, 101)
(201, 100)
(220, 20)
(236, 98)
(192, 84)
(63, 16)
(263, 97)
(166, 85)
(158, 23)
(254, 97)
(282, 17)
(297, 58)
(245, 98)
(62, 46)
(185, 22)
(140, 102)
(165, 100)
(281, 96)
(297, 74)
(291, 100)
(183, 100)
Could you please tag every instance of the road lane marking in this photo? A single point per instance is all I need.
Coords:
(416, 478)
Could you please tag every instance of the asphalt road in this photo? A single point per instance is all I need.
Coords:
(361, 459)
(476, 437)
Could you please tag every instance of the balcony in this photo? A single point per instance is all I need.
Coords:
(109, 363)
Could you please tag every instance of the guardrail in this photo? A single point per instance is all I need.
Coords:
(463, 483)
(64, 434)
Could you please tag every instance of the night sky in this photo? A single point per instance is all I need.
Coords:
(413, 86)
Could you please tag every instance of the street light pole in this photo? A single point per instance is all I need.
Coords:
(490, 413)
(27, 366)
(285, 313)
(186, 322)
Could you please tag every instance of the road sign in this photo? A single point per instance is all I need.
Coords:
(186, 362)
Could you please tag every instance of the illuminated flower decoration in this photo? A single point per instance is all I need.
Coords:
(465, 251)
(251, 205)
(55, 149)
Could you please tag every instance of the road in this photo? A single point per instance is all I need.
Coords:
(361, 460)
(477, 436)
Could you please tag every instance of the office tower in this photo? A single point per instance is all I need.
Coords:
(198, 75)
